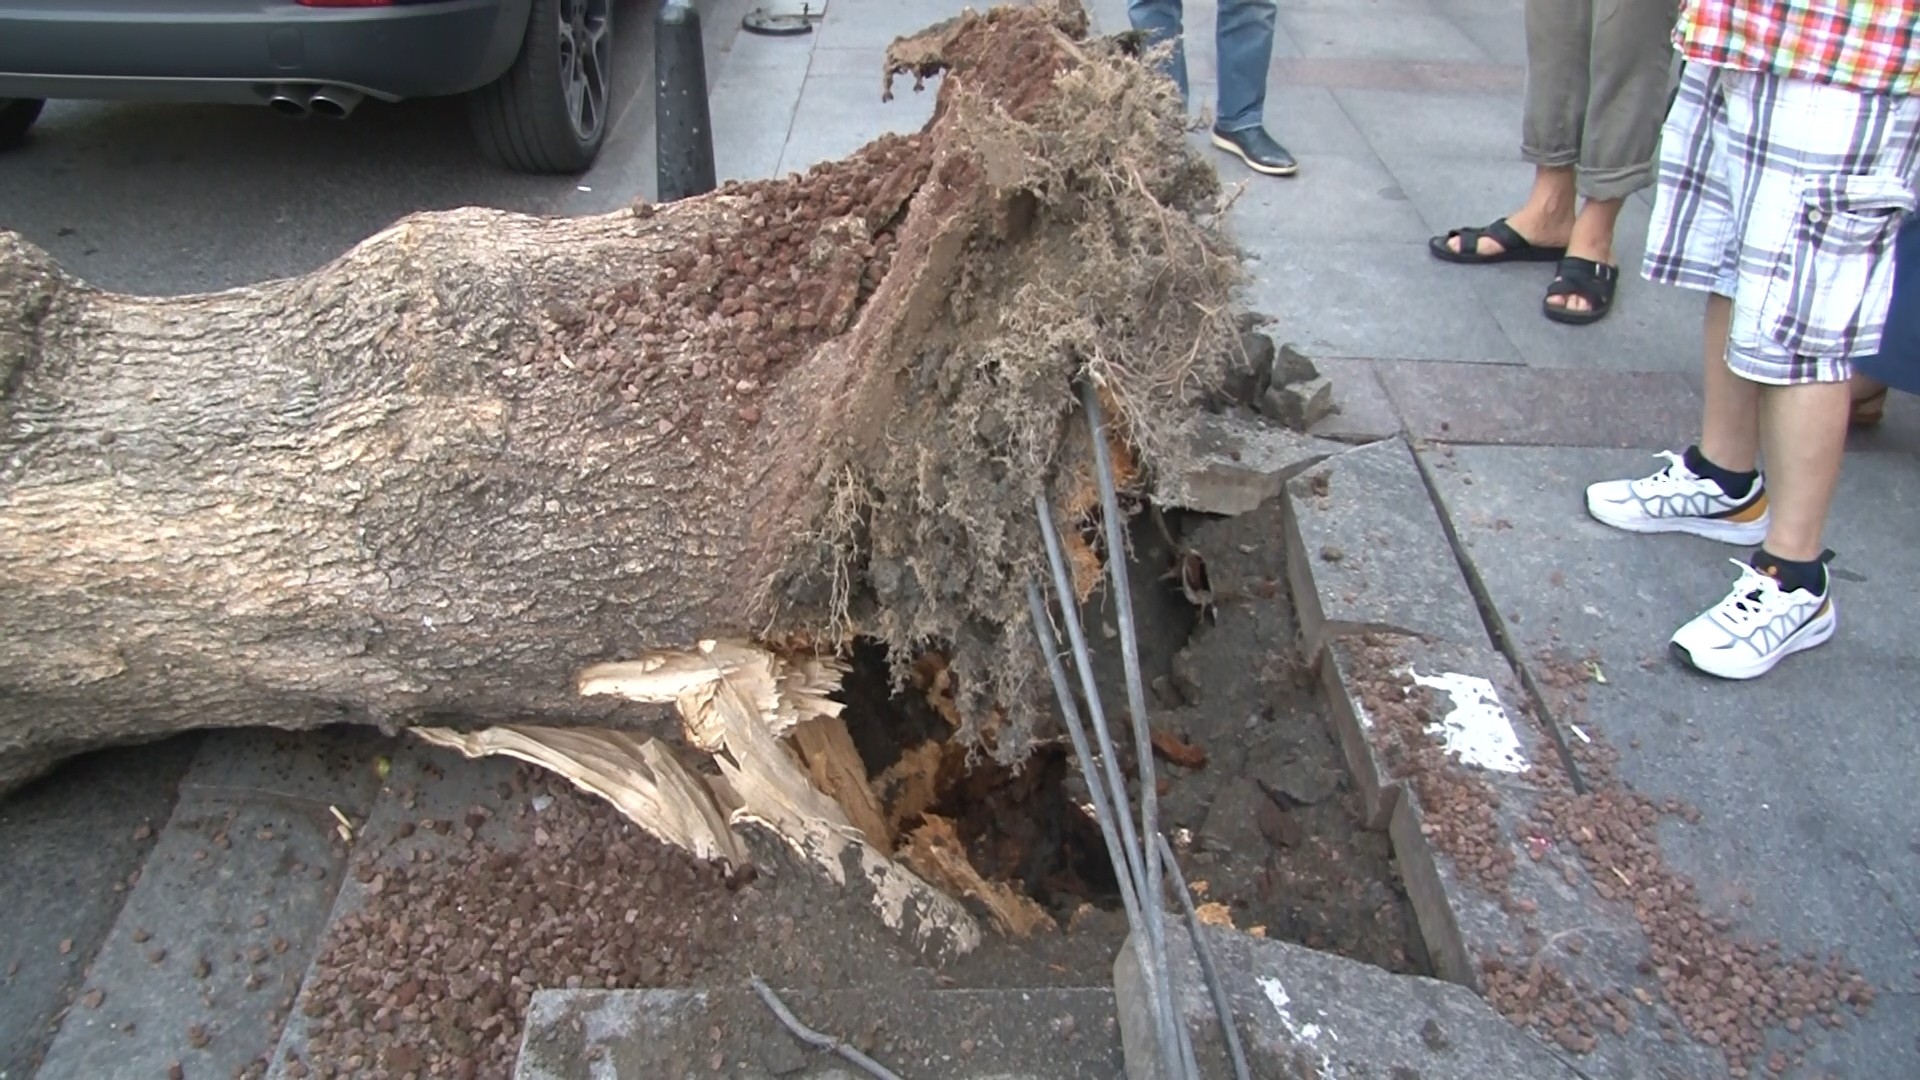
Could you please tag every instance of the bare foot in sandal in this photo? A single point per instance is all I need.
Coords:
(1592, 243)
(1542, 226)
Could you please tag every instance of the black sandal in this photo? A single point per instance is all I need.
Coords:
(1591, 281)
(1513, 246)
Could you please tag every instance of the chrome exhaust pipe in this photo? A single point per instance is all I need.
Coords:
(334, 102)
(290, 100)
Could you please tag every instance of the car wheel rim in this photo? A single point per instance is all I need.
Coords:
(586, 48)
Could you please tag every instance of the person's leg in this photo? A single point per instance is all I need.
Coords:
(1550, 124)
(1730, 424)
(1160, 19)
(1868, 404)
(1243, 35)
(1803, 435)
(1694, 242)
(1826, 181)
(1629, 64)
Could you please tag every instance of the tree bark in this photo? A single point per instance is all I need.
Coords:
(434, 480)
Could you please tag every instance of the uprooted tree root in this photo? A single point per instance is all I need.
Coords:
(1090, 248)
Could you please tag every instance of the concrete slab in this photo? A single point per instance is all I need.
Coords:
(1651, 328)
(839, 114)
(1362, 410)
(1375, 300)
(70, 844)
(1366, 552)
(1433, 131)
(214, 940)
(1487, 403)
(752, 101)
(1460, 778)
(1378, 32)
(1239, 463)
(1357, 673)
(421, 784)
(1040, 1034)
(1300, 1012)
(1805, 830)
(874, 26)
(1348, 198)
(1310, 122)
(1493, 27)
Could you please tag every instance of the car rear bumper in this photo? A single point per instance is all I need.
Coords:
(239, 50)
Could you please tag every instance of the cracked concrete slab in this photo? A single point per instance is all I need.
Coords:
(1035, 1034)
(1802, 779)
(1301, 1012)
(1366, 552)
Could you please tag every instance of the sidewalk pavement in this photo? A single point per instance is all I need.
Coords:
(1405, 115)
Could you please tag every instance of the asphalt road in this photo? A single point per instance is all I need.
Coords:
(167, 199)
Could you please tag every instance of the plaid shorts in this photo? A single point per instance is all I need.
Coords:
(1786, 195)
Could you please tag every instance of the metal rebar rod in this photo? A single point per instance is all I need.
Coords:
(1076, 732)
(1076, 636)
(1155, 975)
(815, 1038)
(1150, 900)
(1153, 965)
(1208, 969)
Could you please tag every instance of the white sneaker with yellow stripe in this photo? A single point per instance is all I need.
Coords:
(1676, 500)
(1758, 625)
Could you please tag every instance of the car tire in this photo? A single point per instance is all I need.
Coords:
(16, 116)
(549, 112)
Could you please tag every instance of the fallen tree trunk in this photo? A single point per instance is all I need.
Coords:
(433, 481)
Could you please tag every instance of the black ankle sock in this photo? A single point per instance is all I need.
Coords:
(1811, 576)
(1736, 485)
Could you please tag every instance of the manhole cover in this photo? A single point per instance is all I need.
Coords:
(760, 21)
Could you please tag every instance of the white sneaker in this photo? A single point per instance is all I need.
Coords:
(1676, 500)
(1755, 627)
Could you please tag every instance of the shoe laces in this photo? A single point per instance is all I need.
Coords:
(1756, 598)
(1674, 477)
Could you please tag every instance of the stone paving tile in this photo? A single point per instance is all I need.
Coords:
(1422, 133)
(1310, 121)
(1300, 1012)
(1489, 403)
(1371, 300)
(1378, 33)
(874, 26)
(1362, 410)
(752, 101)
(1346, 199)
(1035, 1034)
(422, 784)
(1366, 552)
(1802, 778)
(1497, 30)
(206, 956)
(69, 844)
(839, 114)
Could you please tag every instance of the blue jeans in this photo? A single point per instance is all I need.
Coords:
(1244, 39)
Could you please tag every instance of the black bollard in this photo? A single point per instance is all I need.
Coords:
(683, 128)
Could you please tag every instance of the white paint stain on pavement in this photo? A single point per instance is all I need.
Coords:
(1307, 1036)
(1477, 730)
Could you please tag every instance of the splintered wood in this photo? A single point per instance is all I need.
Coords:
(935, 851)
(785, 763)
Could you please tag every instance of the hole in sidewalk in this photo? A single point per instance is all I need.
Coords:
(1014, 825)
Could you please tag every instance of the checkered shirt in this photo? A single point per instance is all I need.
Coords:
(1872, 46)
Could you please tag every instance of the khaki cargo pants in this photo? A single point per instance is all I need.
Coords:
(1599, 76)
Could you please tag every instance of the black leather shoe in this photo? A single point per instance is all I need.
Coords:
(1258, 149)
